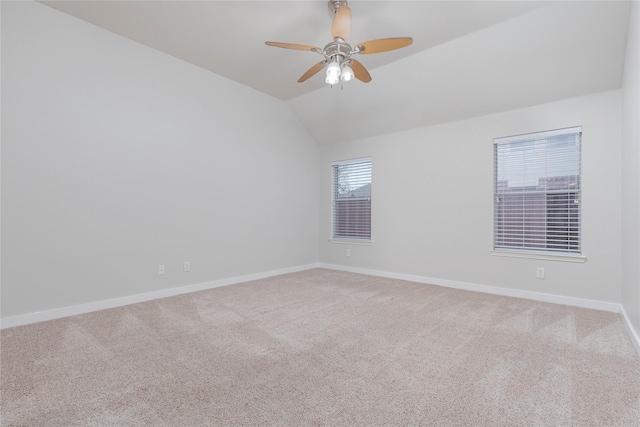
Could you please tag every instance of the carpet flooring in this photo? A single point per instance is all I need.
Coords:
(323, 347)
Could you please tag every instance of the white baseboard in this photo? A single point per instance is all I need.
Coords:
(633, 334)
(132, 299)
(58, 313)
(536, 296)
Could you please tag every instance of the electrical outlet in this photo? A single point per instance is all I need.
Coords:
(348, 252)
(540, 272)
(187, 266)
(161, 269)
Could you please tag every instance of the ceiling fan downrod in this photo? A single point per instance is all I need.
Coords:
(334, 5)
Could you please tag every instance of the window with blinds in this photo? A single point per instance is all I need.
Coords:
(351, 199)
(537, 192)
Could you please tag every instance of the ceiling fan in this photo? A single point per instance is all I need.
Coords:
(338, 53)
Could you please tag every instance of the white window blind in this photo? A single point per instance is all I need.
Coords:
(537, 191)
(351, 199)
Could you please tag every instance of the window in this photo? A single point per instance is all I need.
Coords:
(537, 192)
(351, 197)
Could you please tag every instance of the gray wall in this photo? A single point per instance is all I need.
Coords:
(432, 209)
(117, 158)
(631, 172)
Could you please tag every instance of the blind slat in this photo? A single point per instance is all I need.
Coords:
(351, 194)
(537, 191)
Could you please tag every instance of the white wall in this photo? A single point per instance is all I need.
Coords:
(631, 172)
(433, 204)
(117, 158)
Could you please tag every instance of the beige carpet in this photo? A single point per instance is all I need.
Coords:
(323, 347)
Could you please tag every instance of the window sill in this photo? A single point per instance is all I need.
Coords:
(534, 255)
(352, 242)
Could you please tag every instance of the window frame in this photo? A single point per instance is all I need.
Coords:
(352, 239)
(521, 250)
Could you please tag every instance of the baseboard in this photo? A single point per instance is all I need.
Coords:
(58, 313)
(536, 296)
(633, 334)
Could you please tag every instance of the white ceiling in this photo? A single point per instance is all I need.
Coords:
(468, 57)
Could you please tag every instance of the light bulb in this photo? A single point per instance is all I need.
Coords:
(332, 79)
(347, 74)
(333, 69)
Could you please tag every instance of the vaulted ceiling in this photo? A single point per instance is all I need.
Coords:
(468, 58)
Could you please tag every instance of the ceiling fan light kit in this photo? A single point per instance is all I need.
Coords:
(347, 74)
(338, 53)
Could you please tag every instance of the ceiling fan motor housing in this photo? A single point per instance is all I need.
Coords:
(337, 51)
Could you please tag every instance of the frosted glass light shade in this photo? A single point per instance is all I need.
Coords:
(333, 69)
(347, 74)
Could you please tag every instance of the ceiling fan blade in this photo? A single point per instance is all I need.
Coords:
(384, 45)
(293, 46)
(360, 72)
(342, 23)
(313, 70)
